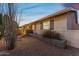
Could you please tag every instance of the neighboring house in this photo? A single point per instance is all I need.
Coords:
(64, 22)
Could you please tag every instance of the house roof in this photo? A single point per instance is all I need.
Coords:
(53, 15)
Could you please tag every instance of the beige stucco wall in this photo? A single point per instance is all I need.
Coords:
(37, 30)
(60, 23)
(46, 26)
(72, 36)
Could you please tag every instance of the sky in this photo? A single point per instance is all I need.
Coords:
(28, 12)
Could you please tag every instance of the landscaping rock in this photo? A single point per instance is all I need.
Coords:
(59, 43)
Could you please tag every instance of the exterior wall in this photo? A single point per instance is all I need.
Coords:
(43, 25)
(72, 37)
(68, 27)
(37, 30)
(72, 33)
(60, 23)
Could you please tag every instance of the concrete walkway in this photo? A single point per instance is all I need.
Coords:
(30, 46)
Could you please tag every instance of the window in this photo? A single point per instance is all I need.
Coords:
(73, 20)
(41, 26)
(77, 17)
(33, 27)
(46, 25)
(51, 24)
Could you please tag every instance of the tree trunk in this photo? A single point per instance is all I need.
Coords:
(9, 28)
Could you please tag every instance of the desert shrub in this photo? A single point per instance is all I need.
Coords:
(29, 32)
(46, 33)
(51, 34)
(55, 35)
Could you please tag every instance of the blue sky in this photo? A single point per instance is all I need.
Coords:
(35, 11)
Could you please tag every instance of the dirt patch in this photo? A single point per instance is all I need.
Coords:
(30, 46)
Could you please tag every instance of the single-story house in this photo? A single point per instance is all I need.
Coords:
(64, 21)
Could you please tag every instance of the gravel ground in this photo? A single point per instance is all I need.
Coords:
(30, 46)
